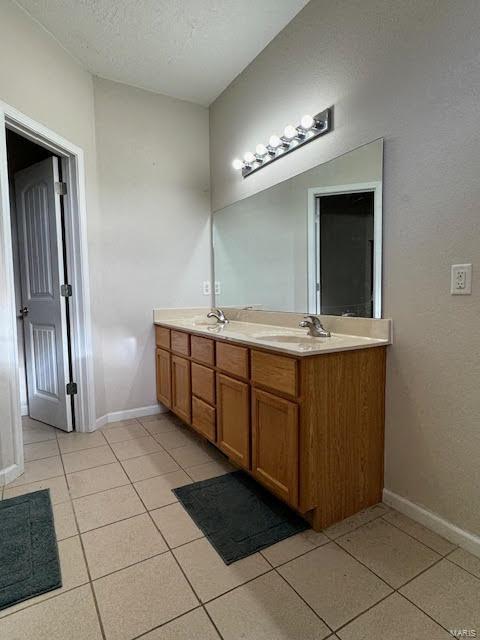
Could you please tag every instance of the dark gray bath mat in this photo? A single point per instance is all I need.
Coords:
(29, 563)
(237, 515)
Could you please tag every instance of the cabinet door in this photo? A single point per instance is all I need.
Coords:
(181, 388)
(203, 418)
(164, 385)
(275, 433)
(233, 423)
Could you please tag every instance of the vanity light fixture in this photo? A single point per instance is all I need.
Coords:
(310, 128)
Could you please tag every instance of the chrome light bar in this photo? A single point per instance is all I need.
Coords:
(310, 128)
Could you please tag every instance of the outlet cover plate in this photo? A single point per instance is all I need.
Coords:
(461, 280)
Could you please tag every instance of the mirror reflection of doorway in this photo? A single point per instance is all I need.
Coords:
(345, 226)
(39, 273)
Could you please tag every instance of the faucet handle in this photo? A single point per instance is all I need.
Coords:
(314, 320)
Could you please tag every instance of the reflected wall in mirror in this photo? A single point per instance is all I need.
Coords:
(312, 243)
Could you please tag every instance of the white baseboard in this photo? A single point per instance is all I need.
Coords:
(10, 474)
(128, 414)
(24, 409)
(468, 541)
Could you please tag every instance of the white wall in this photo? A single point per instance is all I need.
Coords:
(149, 240)
(154, 186)
(261, 242)
(407, 71)
(40, 79)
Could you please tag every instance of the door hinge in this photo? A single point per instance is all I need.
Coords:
(72, 389)
(66, 290)
(61, 188)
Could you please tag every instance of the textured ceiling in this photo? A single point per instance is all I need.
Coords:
(189, 49)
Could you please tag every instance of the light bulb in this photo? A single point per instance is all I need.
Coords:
(307, 122)
(261, 150)
(249, 157)
(274, 141)
(290, 132)
(237, 164)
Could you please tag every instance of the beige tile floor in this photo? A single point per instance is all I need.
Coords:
(134, 564)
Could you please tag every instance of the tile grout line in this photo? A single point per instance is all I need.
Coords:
(422, 611)
(365, 566)
(359, 615)
(129, 566)
(419, 574)
(163, 624)
(264, 573)
(202, 605)
(92, 590)
(394, 590)
(295, 591)
(274, 569)
(300, 555)
(207, 612)
(460, 567)
(36, 604)
(55, 455)
(169, 550)
(418, 539)
(327, 541)
(11, 485)
(362, 524)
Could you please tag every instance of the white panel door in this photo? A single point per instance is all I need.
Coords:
(41, 266)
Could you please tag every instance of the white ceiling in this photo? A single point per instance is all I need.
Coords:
(189, 49)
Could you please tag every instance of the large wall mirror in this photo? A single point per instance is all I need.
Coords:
(312, 243)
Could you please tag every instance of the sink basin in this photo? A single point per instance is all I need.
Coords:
(289, 339)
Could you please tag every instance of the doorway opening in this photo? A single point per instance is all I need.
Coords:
(345, 226)
(67, 165)
(37, 217)
(344, 250)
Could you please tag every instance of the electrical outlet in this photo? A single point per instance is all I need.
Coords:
(207, 288)
(461, 280)
(218, 288)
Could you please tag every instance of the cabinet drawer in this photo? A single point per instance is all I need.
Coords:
(203, 382)
(275, 372)
(232, 359)
(203, 418)
(180, 342)
(162, 337)
(203, 350)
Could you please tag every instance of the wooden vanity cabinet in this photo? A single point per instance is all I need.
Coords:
(308, 428)
(181, 388)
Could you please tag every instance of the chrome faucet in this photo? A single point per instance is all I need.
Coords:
(315, 327)
(219, 315)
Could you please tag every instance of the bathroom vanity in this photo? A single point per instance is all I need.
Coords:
(304, 416)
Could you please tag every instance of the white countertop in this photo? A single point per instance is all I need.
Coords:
(279, 338)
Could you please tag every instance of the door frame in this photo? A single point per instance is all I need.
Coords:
(73, 174)
(313, 251)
